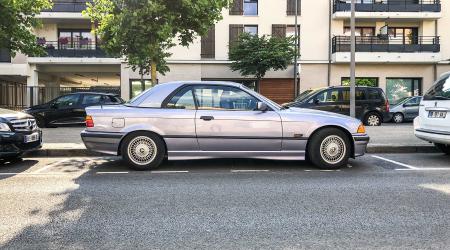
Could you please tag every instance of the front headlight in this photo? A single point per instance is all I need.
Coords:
(4, 127)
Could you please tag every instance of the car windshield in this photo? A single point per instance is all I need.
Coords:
(306, 94)
(261, 97)
(440, 91)
(400, 101)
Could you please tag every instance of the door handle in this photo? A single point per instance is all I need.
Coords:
(207, 118)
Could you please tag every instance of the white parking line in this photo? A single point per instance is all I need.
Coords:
(169, 172)
(425, 169)
(51, 165)
(249, 170)
(336, 170)
(112, 172)
(394, 162)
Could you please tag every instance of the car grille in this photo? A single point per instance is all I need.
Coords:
(24, 125)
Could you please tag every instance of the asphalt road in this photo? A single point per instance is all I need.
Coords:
(379, 201)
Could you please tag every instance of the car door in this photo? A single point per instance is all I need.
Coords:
(61, 110)
(227, 120)
(327, 100)
(411, 108)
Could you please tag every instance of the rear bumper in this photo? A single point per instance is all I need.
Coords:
(441, 137)
(12, 143)
(107, 143)
(361, 142)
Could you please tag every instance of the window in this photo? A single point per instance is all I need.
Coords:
(89, 99)
(397, 88)
(361, 81)
(414, 101)
(184, 99)
(360, 31)
(403, 35)
(290, 10)
(224, 98)
(137, 87)
(5, 55)
(440, 91)
(208, 44)
(66, 101)
(360, 95)
(251, 29)
(235, 31)
(76, 39)
(373, 94)
(331, 95)
(250, 7)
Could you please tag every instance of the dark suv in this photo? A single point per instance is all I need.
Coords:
(18, 134)
(372, 107)
(70, 109)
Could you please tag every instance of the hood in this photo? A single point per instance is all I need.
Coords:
(11, 114)
(321, 113)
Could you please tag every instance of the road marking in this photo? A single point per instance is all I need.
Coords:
(50, 165)
(425, 169)
(394, 162)
(169, 172)
(112, 172)
(336, 170)
(249, 170)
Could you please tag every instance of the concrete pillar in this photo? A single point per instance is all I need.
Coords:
(125, 81)
(32, 85)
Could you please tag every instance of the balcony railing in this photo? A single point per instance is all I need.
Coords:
(72, 49)
(389, 5)
(68, 6)
(395, 45)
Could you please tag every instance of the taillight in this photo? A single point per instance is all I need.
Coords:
(388, 106)
(89, 121)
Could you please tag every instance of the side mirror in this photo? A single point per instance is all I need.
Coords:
(53, 105)
(261, 106)
(316, 101)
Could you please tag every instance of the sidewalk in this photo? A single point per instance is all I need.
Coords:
(389, 138)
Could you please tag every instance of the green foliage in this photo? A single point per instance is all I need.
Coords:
(142, 31)
(17, 19)
(253, 55)
(369, 82)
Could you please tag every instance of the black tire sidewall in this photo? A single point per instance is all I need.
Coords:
(366, 119)
(160, 145)
(444, 148)
(314, 148)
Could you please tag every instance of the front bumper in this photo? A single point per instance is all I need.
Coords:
(441, 137)
(360, 144)
(12, 143)
(107, 143)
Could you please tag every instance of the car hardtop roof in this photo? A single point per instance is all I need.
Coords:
(367, 87)
(225, 83)
(94, 93)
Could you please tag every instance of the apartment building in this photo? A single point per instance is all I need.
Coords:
(402, 47)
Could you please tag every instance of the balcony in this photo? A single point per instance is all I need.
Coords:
(399, 9)
(391, 50)
(68, 6)
(79, 49)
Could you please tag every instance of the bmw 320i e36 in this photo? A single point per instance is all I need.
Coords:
(199, 120)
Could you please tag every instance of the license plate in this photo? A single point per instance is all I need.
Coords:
(437, 114)
(31, 138)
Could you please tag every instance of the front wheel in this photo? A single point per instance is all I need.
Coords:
(329, 149)
(143, 151)
(398, 118)
(372, 119)
(443, 148)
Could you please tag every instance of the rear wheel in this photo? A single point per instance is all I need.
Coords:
(398, 118)
(329, 149)
(443, 148)
(372, 119)
(143, 151)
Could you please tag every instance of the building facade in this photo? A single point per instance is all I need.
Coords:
(402, 47)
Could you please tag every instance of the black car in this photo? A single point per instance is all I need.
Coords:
(372, 106)
(70, 109)
(18, 134)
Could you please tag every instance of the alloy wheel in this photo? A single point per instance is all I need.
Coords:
(142, 150)
(333, 149)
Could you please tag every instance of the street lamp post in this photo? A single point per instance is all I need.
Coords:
(352, 61)
(296, 51)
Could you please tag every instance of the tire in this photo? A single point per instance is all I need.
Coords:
(12, 159)
(143, 150)
(398, 118)
(323, 146)
(443, 148)
(373, 119)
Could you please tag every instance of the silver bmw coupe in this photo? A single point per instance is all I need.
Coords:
(200, 120)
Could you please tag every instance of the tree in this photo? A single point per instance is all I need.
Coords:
(142, 31)
(253, 55)
(16, 25)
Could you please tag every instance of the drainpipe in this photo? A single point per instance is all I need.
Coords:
(330, 10)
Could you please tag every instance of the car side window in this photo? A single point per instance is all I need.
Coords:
(66, 101)
(360, 95)
(373, 94)
(91, 99)
(184, 99)
(224, 98)
(414, 101)
(331, 95)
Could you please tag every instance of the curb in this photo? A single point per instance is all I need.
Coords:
(80, 152)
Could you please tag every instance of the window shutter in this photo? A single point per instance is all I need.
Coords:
(237, 7)
(279, 30)
(208, 49)
(291, 7)
(235, 31)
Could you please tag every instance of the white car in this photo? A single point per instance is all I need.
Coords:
(433, 122)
